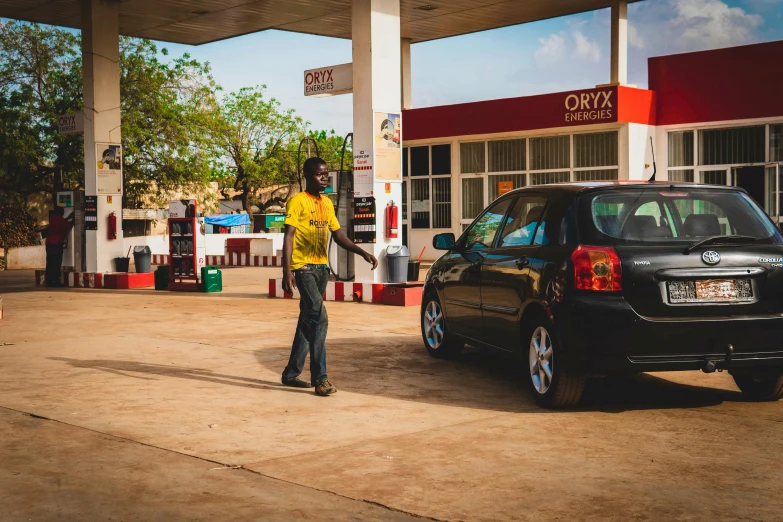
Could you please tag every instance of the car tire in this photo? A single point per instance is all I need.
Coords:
(761, 386)
(550, 383)
(437, 339)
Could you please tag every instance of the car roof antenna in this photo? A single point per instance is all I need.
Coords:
(652, 150)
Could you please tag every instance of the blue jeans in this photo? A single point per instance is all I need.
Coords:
(313, 322)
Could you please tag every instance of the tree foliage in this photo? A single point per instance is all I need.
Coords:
(165, 118)
(40, 78)
(177, 132)
(164, 115)
(17, 226)
(253, 135)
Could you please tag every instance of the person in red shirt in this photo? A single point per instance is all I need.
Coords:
(55, 244)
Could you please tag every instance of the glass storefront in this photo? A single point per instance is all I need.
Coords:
(746, 157)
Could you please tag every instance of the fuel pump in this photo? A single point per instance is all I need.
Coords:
(73, 205)
(342, 197)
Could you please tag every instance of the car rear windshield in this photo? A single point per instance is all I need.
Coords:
(674, 215)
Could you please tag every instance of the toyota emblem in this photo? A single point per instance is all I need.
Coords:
(711, 257)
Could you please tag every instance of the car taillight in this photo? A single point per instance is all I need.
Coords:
(597, 268)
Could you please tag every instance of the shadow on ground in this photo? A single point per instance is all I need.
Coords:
(139, 370)
(398, 368)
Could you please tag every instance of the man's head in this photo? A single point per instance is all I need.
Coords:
(59, 211)
(316, 174)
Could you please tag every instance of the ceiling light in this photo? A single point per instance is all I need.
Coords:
(427, 7)
(200, 12)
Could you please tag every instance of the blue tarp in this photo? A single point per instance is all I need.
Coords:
(227, 220)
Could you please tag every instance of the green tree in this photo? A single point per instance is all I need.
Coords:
(255, 137)
(165, 113)
(165, 123)
(40, 78)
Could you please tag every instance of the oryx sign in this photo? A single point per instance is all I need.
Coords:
(327, 81)
(592, 106)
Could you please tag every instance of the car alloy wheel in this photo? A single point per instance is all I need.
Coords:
(541, 360)
(433, 325)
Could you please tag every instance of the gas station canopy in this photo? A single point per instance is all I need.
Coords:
(201, 21)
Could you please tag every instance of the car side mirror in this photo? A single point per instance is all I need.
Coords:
(443, 241)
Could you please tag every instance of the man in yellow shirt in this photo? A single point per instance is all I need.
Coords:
(306, 267)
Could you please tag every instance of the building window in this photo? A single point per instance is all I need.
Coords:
(404, 200)
(732, 146)
(441, 202)
(499, 184)
(680, 145)
(506, 156)
(404, 162)
(595, 150)
(682, 175)
(420, 203)
(471, 158)
(420, 161)
(596, 175)
(429, 189)
(441, 159)
(776, 142)
(596, 156)
(550, 153)
(546, 178)
(472, 197)
(713, 177)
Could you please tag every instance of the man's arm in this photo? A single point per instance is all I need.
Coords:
(289, 282)
(341, 239)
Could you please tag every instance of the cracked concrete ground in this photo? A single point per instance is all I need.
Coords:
(168, 406)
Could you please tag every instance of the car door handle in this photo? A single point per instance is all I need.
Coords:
(523, 262)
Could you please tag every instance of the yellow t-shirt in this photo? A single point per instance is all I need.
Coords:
(312, 217)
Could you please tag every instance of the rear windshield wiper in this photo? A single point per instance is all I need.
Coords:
(715, 239)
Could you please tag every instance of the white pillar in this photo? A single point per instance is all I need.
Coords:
(101, 82)
(619, 59)
(405, 72)
(377, 90)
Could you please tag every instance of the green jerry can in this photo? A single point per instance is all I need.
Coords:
(212, 279)
(162, 277)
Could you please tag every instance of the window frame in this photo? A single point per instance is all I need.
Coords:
(408, 193)
(463, 238)
(544, 209)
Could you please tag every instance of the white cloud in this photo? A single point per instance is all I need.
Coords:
(634, 38)
(690, 25)
(553, 48)
(713, 23)
(586, 48)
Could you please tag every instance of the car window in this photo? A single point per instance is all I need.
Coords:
(567, 234)
(522, 221)
(482, 233)
(700, 207)
(677, 214)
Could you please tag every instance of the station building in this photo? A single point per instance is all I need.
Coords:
(711, 117)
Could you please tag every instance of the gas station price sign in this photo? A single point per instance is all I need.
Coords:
(364, 220)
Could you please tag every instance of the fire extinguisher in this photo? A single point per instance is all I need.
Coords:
(112, 230)
(392, 220)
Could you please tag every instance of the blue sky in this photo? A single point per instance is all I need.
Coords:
(548, 56)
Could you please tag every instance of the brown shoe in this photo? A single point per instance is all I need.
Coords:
(325, 388)
(296, 382)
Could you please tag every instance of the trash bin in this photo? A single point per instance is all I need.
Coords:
(212, 279)
(142, 256)
(397, 263)
(121, 264)
(413, 270)
(162, 275)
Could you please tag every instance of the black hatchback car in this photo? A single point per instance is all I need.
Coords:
(582, 280)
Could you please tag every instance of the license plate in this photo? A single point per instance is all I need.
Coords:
(711, 291)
